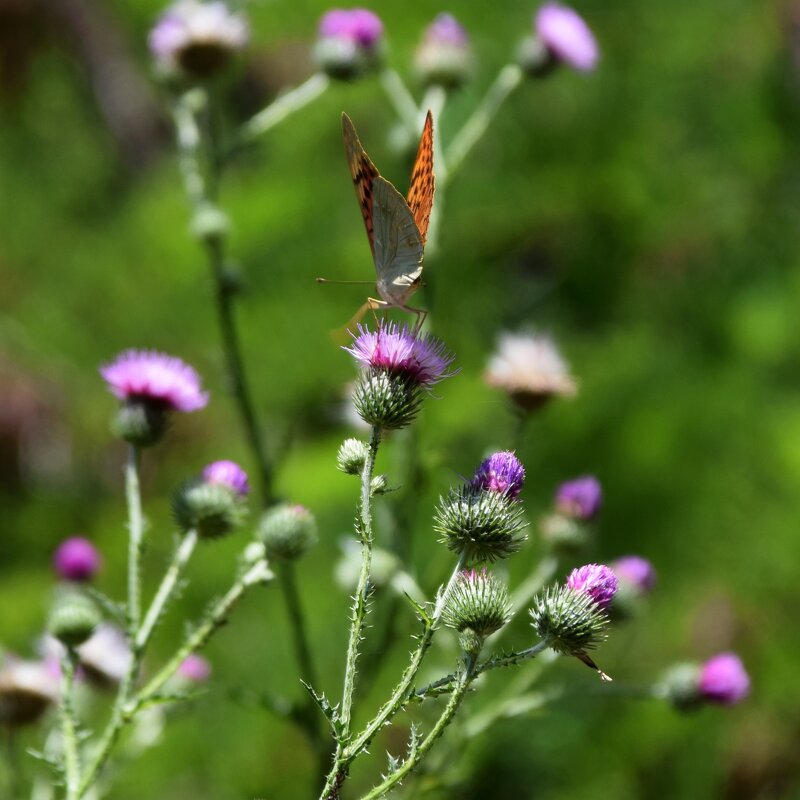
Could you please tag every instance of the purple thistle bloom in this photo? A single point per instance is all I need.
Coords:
(580, 498)
(356, 25)
(195, 668)
(76, 559)
(596, 580)
(227, 473)
(501, 472)
(149, 375)
(446, 30)
(723, 679)
(635, 571)
(566, 36)
(397, 350)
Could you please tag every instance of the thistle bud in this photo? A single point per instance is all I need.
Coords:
(350, 43)
(487, 524)
(564, 533)
(379, 485)
(140, 422)
(27, 690)
(213, 505)
(478, 605)
(288, 532)
(680, 686)
(385, 400)
(351, 456)
(444, 56)
(73, 618)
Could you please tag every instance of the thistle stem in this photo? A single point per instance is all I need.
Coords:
(69, 727)
(135, 538)
(465, 678)
(402, 100)
(167, 588)
(508, 79)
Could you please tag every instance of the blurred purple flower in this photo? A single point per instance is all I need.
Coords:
(76, 559)
(227, 473)
(566, 36)
(357, 25)
(580, 498)
(195, 668)
(149, 375)
(596, 580)
(723, 679)
(501, 472)
(396, 349)
(635, 571)
(446, 29)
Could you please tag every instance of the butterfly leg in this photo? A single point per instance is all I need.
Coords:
(342, 335)
(421, 315)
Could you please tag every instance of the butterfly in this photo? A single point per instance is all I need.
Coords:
(396, 226)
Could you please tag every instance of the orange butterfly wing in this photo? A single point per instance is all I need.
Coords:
(420, 193)
(363, 172)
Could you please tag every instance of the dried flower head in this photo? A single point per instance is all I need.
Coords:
(566, 36)
(502, 472)
(530, 370)
(723, 680)
(580, 498)
(227, 473)
(350, 42)
(597, 581)
(197, 38)
(27, 690)
(444, 56)
(478, 601)
(76, 559)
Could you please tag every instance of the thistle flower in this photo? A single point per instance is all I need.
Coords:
(76, 559)
(229, 474)
(635, 572)
(195, 668)
(597, 581)
(197, 38)
(444, 56)
(580, 498)
(565, 38)
(530, 370)
(27, 690)
(150, 384)
(502, 472)
(723, 680)
(487, 524)
(213, 505)
(288, 532)
(349, 43)
(477, 602)
(398, 364)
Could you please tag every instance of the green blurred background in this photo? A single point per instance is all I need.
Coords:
(646, 215)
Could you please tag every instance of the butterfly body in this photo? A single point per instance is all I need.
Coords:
(396, 227)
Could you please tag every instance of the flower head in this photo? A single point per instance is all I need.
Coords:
(597, 581)
(529, 368)
(444, 56)
(76, 559)
(195, 668)
(395, 349)
(27, 689)
(566, 36)
(288, 531)
(580, 498)
(635, 572)
(478, 602)
(501, 472)
(723, 680)
(350, 42)
(156, 378)
(197, 37)
(227, 473)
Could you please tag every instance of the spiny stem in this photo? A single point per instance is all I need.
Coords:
(359, 610)
(167, 588)
(135, 538)
(69, 727)
(465, 678)
(509, 77)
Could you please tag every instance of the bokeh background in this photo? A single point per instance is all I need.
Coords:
(645, 215)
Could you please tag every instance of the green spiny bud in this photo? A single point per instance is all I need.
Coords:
(565, 534)
(680, 685)
(386, 399)
(351, 456)
(488, 524)
(477, 602)
(288, 531)
(141, 421)
(73, 618)
(569, 621)
(212, 509)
